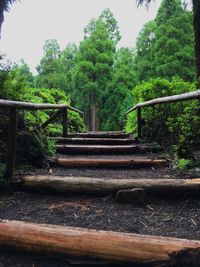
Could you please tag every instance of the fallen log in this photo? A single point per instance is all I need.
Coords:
(105, 185)
(111, 163)
(94, 244)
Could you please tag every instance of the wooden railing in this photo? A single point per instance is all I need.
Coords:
(161, 100)
(13, 107)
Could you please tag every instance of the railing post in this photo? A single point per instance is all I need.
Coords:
(139, 123)
(11, 143)
(65, 122)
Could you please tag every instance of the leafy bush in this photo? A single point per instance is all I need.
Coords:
(174, 124)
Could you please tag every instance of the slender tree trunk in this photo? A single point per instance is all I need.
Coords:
(1, 18)
(93, 112)
(196, 24)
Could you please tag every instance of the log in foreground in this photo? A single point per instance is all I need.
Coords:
(105, 185)
(94, 244)
(112, 163)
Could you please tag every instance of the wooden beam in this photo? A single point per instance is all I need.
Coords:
(167, 99)
(100, 135)
(52, 118)
(34, 106)
(94, 141)
(113, 163)
(101, 149)
(139, 123)
(65, 122)
(94, 244)
(11, 143)
(105, 185)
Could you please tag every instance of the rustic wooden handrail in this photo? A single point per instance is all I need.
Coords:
(35, 106)
(13, 107)
(160, 100)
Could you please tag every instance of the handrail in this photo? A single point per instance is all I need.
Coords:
(13, 106)
(160, 100)
(166, 99)
(35, 106)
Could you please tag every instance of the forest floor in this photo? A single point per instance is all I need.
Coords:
(175, 217)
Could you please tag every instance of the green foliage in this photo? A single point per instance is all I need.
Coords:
(184, 164)
(175, 124)
(165, 45)
(118, 97)
(55, 66)
(93, 69)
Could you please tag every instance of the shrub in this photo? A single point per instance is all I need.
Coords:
(173, 124)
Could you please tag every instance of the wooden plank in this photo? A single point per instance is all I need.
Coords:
(87, 185)
(93, 141)
(11, 143)
(101, 149)
(100, 135)
(113, 163)
(94, 244)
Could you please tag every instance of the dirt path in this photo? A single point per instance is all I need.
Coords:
(173, 217)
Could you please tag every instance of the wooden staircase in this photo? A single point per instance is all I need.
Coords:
(104, 149)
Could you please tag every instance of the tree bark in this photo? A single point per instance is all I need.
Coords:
(103, 186)
(94, 244)
(196, 24)
(1, 17)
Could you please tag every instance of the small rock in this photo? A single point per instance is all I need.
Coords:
(136, 196)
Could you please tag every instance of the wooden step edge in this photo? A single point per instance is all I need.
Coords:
(117, 163)
(96, 244)
(68, 184)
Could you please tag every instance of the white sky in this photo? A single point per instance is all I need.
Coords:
(30, 22)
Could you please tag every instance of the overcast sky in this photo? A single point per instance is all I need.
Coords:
(30, 22)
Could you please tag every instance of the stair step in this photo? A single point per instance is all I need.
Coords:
(100, 135)
(113, 163)
(92, 141)
(101, 149)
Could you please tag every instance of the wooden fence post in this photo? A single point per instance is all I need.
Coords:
(11, 143)
(65, 122)
(139, 123)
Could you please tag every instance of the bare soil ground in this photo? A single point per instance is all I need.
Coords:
(175, 217)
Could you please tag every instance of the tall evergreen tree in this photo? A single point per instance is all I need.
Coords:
(165, 46)
(118, 97)
(92, 71)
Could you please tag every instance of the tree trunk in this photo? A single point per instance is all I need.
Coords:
(95, 244)
(1, 17)
(167, 187)
(196, 24)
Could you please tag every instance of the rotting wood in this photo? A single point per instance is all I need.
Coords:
(98, 149)
(113, 163)
(169, 187)
(52, 118)
(11, 143)
(93, 244)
